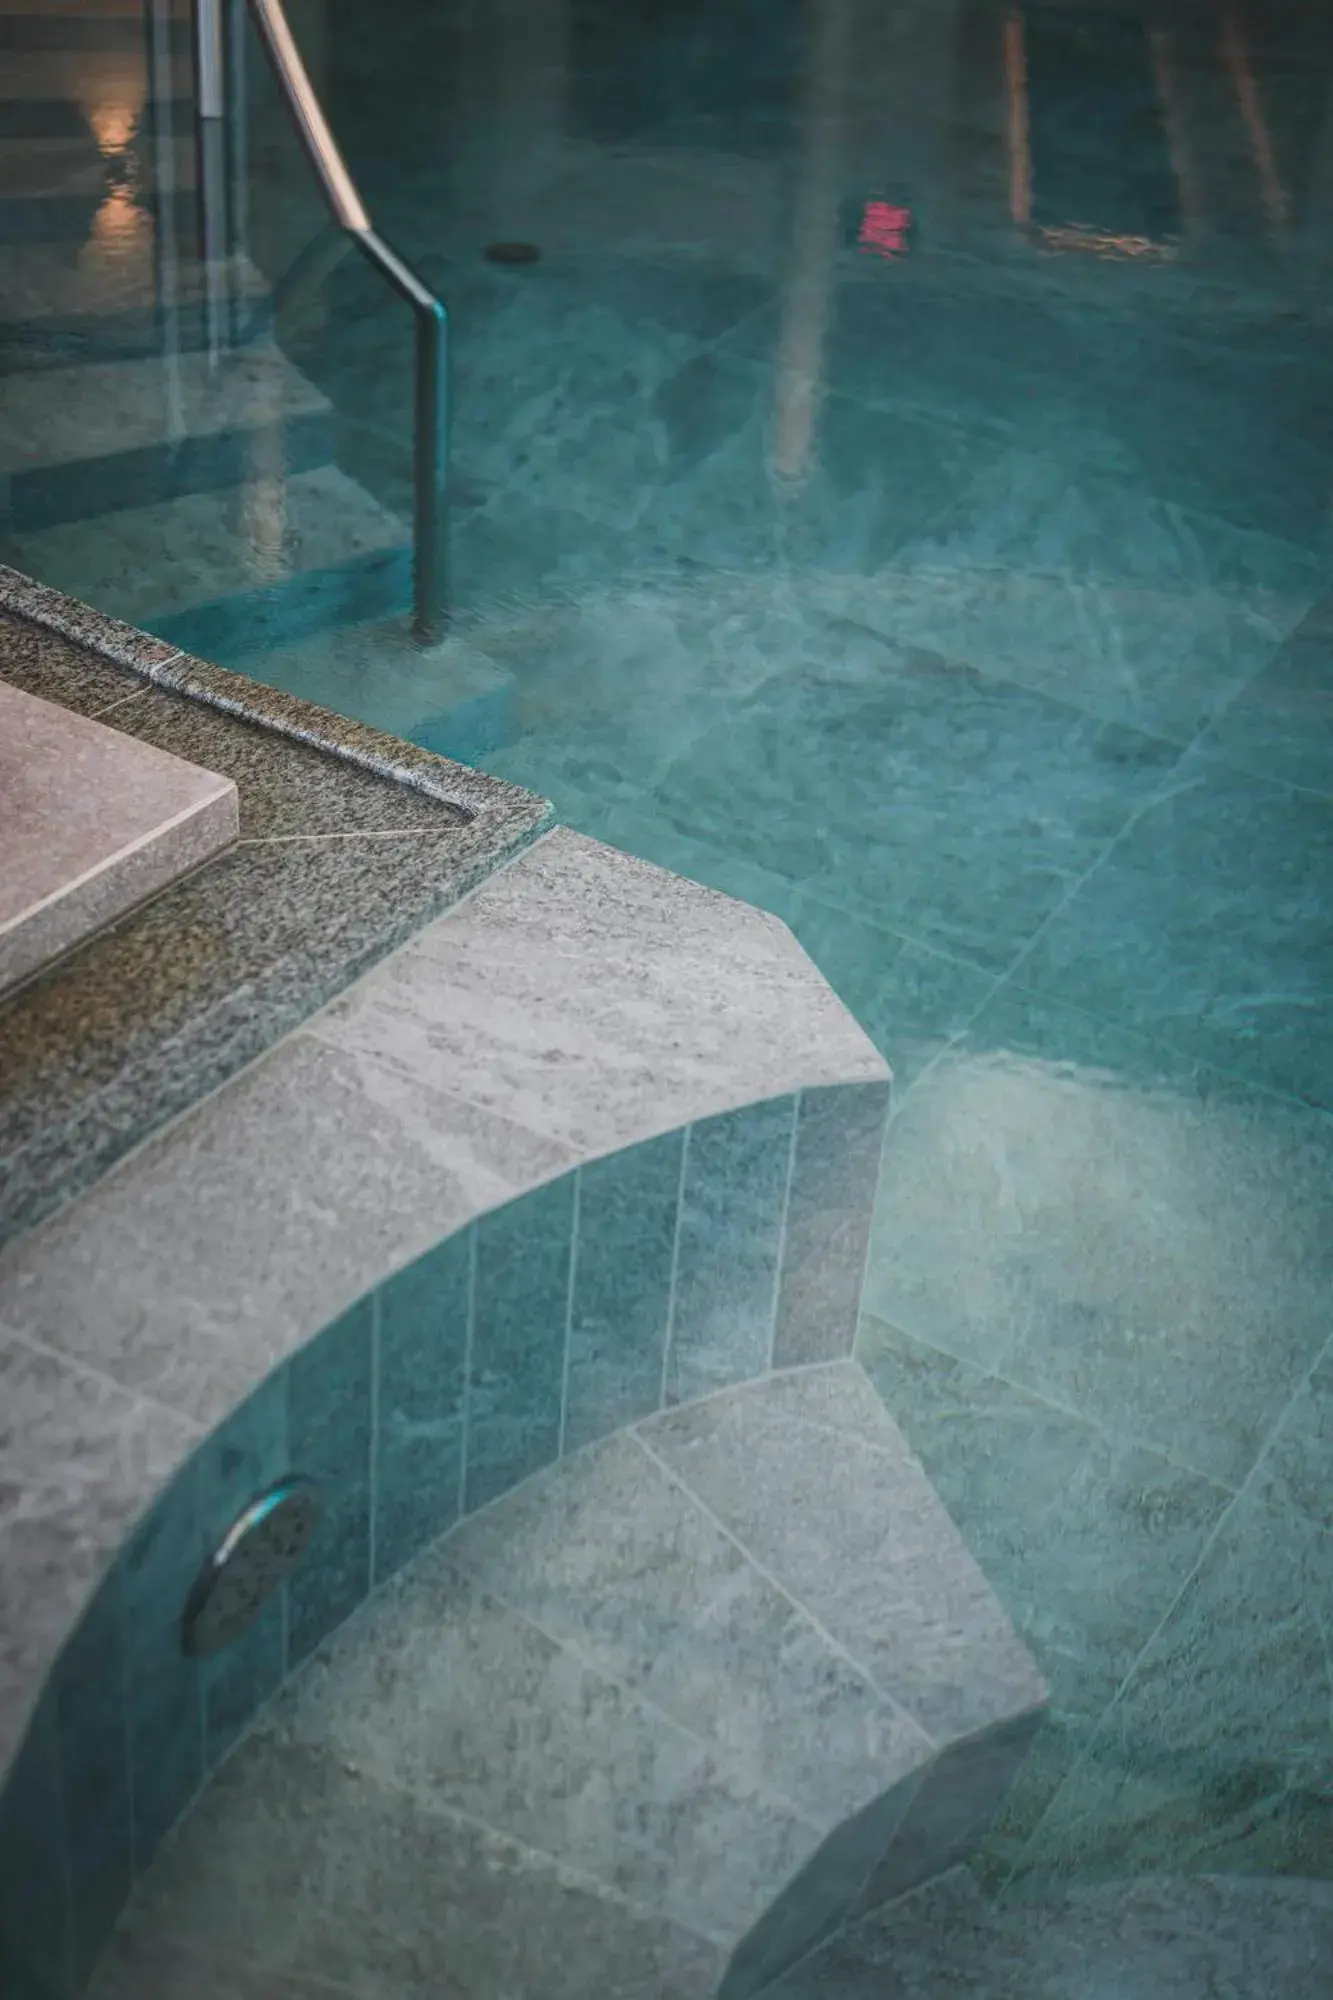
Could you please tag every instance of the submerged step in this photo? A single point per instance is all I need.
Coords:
(731, 1674)
(228, 573)
(84, 441)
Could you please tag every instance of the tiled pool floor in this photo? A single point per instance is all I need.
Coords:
(969, 606)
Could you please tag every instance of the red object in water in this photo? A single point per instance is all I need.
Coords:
(884, 228)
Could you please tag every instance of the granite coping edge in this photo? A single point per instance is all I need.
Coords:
(204, 1061)
(472, 794)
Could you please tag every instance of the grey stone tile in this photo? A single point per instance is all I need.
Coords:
(520, 1329)
(612, 1558)
(917, 355)
(1093, 590)
(424, 1321)
(239, 952)
(838, 1397)
(834, 1175)
(329, 1427)
(1231, 420)
(445, 1692)
(361, 1165)
(908, 997)
(1096, 1219)
(81, 1459)
(234, 957)
(34, 1875)
(1050, 1758)
(1087, 1539)
(737, 1174)
(95, 438)
(1217, 1754)
(940, 1940)
(1294, 1470)
(1198, 1935)
(737, 487)
(982, 844)
(587, 354)
(1269, 1935)
(859, 1537)
(582, 990)
(628, 1210)
(950, 1809)
(1185, 1938)
(351, 1882)
(1219, 904)
(46, 663)
(1280, 725)
(818, 1900)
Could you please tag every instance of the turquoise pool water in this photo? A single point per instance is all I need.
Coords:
(898, 495)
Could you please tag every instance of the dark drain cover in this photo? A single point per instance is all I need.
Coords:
(260, 1549)
(512, 253)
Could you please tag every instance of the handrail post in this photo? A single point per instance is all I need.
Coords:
(430, 451)
(430, 444)
(210, 111)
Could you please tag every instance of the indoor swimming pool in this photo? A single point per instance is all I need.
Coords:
(896, 491)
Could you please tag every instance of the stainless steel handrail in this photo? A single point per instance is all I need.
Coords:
(430, 441)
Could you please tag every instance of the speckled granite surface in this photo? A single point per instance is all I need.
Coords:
(349, 842)
(580, 1002)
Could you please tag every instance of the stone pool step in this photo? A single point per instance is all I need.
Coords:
(84, 441)
(71, 217)
(57, 76)
(451, 697)
(37, 169)
(698, 1692)
(224, 572)
(90, 24)
(1189, 1938)
(58, 314)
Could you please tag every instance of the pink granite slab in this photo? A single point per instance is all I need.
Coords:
(91, 822)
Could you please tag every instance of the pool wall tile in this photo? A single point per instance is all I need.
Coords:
(959, 1795)
(329, 1436)
(835, 1170)
(675, 1267)
(737, 1169)
(34, 1870)
(816, 1900)
(628, 1208)
(238, 1681)
(163, 1688)
(520, 1325)
(248, 1453)
(93, 1747)
(421, 1359)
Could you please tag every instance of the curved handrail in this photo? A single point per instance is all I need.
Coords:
(430, 443)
